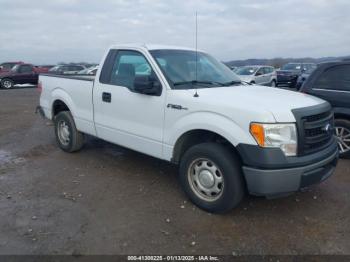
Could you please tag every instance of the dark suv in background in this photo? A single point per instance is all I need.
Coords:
(331, 82)
(19, 74)
(289, 73)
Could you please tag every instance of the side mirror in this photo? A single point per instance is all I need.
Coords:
(258, 74)
(147, 85)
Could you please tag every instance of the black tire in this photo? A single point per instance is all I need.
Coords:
(252, 82)
(76, 138)
(233, 188)
(7, 83)
(343, 123)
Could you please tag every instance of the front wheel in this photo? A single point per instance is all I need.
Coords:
(7, 83)
(342, 131)
(68, 138)
(211, 176)
(273, 83)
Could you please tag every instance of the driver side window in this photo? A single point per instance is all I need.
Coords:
(25, 69)
(127, 66)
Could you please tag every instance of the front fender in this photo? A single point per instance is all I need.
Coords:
(341, 110)
(209, 121)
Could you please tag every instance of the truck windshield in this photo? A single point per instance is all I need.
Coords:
(182, 71)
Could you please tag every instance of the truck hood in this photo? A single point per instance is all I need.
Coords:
(266, 103)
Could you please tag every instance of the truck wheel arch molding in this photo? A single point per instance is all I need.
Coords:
(61, 95)
(222, 126)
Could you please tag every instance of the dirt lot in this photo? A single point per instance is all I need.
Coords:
(110, 200)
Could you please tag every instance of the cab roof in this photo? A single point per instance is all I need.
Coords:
(151, 47)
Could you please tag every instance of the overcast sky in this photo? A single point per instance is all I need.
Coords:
(80, 30)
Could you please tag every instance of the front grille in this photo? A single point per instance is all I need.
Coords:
(315, 128)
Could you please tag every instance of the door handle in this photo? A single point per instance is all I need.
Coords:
(106, 97)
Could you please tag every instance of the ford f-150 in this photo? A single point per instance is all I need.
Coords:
(184, 106)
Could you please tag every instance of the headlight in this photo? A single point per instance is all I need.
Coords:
(283, 136)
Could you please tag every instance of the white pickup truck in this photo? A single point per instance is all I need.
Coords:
(184, 106)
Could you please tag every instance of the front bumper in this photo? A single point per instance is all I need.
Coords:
(287, 80)
(272, 182)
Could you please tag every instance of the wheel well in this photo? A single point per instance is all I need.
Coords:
(341, 116)
(195, 137)
(7, 78)
(59, 106)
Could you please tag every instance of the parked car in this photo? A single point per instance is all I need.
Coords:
(301, 79)
(19, 74)
(227, 137)
(89, 71)
(289, 73)
(66, 69)
(7, 66)
(260, 75)
(331, 82)
(44, 68)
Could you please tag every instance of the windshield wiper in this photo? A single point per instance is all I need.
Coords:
(231, 83)
(197, 82)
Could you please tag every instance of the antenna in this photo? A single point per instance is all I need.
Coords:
(196, 94)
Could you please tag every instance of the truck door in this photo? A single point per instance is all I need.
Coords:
(122, 115)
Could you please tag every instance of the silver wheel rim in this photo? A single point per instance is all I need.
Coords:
(343, 136)
(7, 84)
(63, 133)
(273, 84)
(206, 179)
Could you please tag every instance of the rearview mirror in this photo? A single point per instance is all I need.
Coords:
(147, 85)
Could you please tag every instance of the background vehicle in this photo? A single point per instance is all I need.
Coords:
(7, 66)
(66, 69)
(89, 71)
(289, 73)
(43, 68)
(260, 75)
(301, 79)
(331, 82)
(19, 74)
(227, 137)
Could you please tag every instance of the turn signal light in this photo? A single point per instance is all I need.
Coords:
(258, 133)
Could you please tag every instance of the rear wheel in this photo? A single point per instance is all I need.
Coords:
(68, 138)
(342, 131)
(211, 176)
(7, 83)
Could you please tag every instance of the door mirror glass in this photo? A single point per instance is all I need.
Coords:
(147, 85)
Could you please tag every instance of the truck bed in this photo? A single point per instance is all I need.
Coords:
(73, 90)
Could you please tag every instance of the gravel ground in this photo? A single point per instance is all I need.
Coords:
(110, 200)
